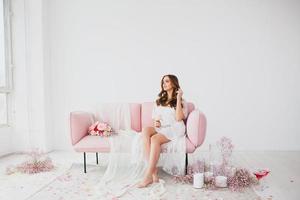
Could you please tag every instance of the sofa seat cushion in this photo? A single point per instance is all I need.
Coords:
(92, 144)
(101, 144)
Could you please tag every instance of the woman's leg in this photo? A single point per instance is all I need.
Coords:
(147, 133)
(156, 141)
(155, 175)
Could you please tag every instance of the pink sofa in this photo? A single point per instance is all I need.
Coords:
(140, 118)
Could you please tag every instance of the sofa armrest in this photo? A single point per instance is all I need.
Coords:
(196, 127)
(79, 123)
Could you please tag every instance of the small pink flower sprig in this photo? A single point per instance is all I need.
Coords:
(37, 162)
(241, 179)
(100, 129)
(196, 167)
(188, 178)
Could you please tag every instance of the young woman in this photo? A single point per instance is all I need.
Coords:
(168, 113)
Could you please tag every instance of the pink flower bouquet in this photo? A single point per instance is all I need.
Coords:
(100, 129)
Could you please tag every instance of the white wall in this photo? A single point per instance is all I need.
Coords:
(238, 61)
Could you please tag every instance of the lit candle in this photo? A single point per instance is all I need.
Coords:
(198, 180)
(221, 181)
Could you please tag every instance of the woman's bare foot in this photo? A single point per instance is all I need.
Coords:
(155, 175)
(147, 180)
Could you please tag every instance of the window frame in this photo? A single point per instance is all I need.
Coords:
(8, 88)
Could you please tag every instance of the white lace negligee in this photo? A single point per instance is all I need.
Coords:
(170, 127)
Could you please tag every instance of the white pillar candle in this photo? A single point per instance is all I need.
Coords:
(208, 176)
(198, 180)
(221, 181)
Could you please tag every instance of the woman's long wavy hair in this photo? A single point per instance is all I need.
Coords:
(163, 95)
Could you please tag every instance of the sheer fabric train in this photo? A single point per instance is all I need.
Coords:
(127, 165)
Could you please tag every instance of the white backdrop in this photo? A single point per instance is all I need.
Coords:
(238, 61)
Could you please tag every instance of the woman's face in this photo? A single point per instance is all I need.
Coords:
(167, 85)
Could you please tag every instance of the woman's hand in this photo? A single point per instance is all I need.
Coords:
(157, 123)
(179, 93)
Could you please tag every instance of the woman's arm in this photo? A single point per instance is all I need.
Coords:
(179, 110)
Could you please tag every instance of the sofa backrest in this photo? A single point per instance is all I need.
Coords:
(135, 115)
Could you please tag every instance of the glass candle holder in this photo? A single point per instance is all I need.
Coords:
(198, 180)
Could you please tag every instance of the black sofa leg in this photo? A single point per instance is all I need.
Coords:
(84, 162)
(186, 163)
(97, 158)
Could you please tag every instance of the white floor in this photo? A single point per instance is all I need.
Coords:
(282, 183)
